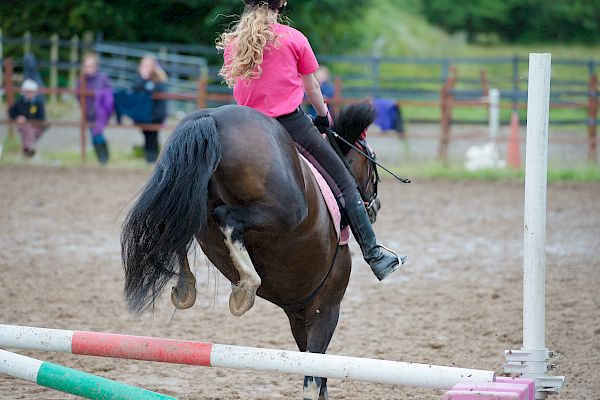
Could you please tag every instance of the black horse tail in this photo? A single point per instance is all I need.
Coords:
(171, 209)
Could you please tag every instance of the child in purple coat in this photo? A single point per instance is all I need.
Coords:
(99, 107)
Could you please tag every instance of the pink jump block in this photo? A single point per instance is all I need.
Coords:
(529, 382)
(479, 395)
(502, 389)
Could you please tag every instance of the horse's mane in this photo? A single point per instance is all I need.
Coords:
(351, 121)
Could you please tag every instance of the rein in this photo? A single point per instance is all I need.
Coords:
(332, 133)
(340, 154)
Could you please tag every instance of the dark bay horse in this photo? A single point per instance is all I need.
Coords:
(232, 178)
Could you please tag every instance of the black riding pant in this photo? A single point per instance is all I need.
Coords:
(319, 152)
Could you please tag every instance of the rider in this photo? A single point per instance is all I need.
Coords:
(270, 66)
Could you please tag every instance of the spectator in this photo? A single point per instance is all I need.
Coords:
(28, 112)
(31, 71)
(327, 89)
(152, 79)
(98, 107)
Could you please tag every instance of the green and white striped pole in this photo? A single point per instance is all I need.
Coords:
(70, 380)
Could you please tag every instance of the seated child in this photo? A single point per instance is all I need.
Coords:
(28, 113)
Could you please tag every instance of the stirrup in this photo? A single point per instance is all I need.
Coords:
(401, 258)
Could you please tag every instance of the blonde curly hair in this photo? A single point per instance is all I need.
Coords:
(249, 37)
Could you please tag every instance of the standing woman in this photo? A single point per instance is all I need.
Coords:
(270, 66)
(152, 79)
(99, 107)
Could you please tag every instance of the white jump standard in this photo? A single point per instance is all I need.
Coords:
(531, 360)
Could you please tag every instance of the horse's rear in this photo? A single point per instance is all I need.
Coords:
(231, 177)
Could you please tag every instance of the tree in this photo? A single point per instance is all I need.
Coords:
(519, 20)
(328, 23)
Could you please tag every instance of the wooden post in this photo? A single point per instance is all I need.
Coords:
(485, 88)
(53, 67)
(88, 41)
(1, 58)
(446, 115)
(592, 119)
(202, 87)
(9, 90)
(337, 92)
(485, 84)
(83, 115)
(26, 43)
(515, 79)
(73, 60)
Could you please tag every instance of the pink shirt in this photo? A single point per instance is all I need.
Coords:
(279, 90)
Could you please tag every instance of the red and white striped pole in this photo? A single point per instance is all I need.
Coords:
(226, 356)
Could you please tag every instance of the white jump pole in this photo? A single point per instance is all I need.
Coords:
(532, 360)
(237, 357)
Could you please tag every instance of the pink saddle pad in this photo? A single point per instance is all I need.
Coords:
(332, 206)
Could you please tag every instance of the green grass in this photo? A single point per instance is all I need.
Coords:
(439, 170)
(434, 170)
(121, 158)
(409, 34)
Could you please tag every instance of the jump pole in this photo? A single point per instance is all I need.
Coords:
(70, 380)
(531, 361)
(237, 357)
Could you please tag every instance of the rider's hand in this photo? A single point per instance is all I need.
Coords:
(321, 122)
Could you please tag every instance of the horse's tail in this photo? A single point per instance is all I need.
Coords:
(171, 209)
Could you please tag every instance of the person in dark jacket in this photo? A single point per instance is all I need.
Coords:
(152, 79)
(29, 114)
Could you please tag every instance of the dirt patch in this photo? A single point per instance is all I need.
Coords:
(458, 301)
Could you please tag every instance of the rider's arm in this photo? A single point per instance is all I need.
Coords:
(313, 92)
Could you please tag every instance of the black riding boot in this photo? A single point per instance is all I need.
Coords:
(382, 261)
(101, 152)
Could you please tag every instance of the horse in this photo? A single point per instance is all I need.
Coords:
(232, 178)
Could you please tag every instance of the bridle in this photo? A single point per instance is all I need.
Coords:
(372, 203)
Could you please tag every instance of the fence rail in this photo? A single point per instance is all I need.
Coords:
(443, 84)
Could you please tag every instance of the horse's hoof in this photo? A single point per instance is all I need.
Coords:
(183, 297)
(241, 300)
(312, 388)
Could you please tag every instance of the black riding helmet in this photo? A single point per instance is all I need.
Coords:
(272, 4)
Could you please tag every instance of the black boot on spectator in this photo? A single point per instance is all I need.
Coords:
(151, 146)
(101, 152)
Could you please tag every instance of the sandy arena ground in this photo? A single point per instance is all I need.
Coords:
(457, 302)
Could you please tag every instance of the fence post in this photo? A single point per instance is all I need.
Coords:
(88, 41)
(53, 67)
(375, 74)
(337, 92)
(202, 87)
(1, 58)
(26, 43)
(593, 119)
(485, 84)
(446, 117)
(515, 78)
(9, 90)
(82, 106)
(494, 113)
(73, 60)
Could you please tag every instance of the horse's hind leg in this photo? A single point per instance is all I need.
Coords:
(243, 293)
(314, 336)
(184, 294)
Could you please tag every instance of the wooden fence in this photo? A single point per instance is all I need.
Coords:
(445, 84)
